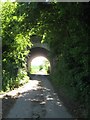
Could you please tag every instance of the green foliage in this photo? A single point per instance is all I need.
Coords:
(22, 77)
(67, 34)
(34, 69)
(65, 27)
(14, 47)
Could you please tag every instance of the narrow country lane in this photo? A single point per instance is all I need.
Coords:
(38, 100)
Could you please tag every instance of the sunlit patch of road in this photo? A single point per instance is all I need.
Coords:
(37, 99)
(31, 85)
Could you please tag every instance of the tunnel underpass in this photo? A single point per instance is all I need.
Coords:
(37, 53)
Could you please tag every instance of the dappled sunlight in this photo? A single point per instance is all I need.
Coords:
(37, 99)
(37, 93)
(34, 88)
(31, 85)
(40, 65)
(42, 95)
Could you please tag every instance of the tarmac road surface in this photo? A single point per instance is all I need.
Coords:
(38, 100)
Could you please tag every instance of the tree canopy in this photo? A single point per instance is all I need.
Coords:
(64, 26)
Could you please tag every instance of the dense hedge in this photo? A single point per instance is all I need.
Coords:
(69, 45)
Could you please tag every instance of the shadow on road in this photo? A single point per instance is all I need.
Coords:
(36, 99)
(38, 75)
(7, 103)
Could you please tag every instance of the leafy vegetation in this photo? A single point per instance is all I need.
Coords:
(37, 69)
(65, 27)
(14, 47)
(68, 41)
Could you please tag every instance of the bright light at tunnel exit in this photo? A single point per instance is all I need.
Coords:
(38, 61)
(40, 65)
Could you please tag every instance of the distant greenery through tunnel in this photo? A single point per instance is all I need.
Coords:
(40, 65)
